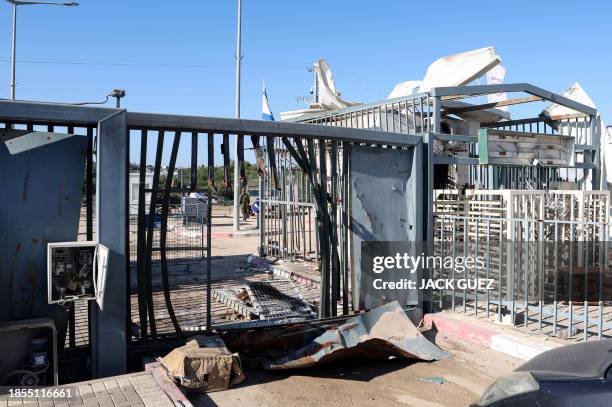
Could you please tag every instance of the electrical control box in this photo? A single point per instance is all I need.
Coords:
(76, 271)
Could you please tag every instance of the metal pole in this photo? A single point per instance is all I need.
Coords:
(13, 61)
(236, 166)
(211, 179)
(261, 219)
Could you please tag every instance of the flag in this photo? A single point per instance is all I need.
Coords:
(266, 112)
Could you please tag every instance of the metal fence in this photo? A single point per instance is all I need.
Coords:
(185, 236)
(553, 276)
(129, 319)
(288, 213)
(301, 210)
(294, 154)
(289, 229)
(405, 115)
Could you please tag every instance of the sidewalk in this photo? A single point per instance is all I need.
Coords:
(504, 339)
(223, 227)
(298, 271)
(151, 388)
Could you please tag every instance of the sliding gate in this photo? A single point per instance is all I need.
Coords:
(305, 208)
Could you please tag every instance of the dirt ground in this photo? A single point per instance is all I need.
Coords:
(396, 382)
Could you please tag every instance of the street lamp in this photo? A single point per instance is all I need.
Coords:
(16, 3)
(236, 162)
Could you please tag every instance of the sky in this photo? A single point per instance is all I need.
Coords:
(179, 56)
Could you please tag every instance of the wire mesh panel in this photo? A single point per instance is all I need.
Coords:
(588, 206)
(168, 229)
(186, 235)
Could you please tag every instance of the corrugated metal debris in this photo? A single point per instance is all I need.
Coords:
(379, 333)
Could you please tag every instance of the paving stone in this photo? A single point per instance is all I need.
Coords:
(139, 389)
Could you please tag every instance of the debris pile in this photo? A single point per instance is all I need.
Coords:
(380, 333)
(204, 364)
(272, 300)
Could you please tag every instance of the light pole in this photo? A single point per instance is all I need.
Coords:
(236, 166)
(16, 3)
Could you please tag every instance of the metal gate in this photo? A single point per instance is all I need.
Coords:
(309, 186)
(304, 206)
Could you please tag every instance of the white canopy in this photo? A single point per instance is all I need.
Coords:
(452, 70)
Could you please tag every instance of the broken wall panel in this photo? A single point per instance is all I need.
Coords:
(384, 204)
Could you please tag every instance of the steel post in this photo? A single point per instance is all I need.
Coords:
(109, 346)
(236, 145)
(14, 52)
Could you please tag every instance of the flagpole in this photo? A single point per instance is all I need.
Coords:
(236, 166)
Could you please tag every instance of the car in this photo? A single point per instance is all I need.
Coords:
(572, 375)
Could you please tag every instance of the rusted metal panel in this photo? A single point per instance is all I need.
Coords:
(41, 202)
(382, 332)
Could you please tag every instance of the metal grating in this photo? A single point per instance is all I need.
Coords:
(231, 298)
(278, 299)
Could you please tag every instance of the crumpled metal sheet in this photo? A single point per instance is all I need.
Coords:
(382, 332)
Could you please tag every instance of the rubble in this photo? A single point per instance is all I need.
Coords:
(275, 299)
(204, 364)
(380, 333)
(278, 299)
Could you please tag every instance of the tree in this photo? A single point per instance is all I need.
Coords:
(220, 192)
